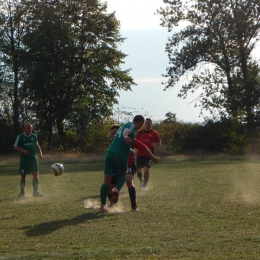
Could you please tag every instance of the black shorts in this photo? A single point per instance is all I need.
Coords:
(143, 161)
(132, 169)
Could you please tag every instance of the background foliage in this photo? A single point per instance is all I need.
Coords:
(60, 69)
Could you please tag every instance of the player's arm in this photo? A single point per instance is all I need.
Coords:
(156, 144)
(156, 141)
(139, 145)
(126, 134)
(132, 151)
(39, 150)
(17, 148)
(20, 150)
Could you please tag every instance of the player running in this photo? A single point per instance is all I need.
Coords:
(151, 139)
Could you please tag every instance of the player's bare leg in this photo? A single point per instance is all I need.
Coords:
(140, 177)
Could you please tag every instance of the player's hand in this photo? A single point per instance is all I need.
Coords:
(26, 152)
(156, 160)
(127, 139)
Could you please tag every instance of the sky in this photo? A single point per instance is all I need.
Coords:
(145, 46)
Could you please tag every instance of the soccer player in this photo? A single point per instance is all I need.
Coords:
(151, 139)
(115, 173)
(116, 159)
(26, 144)
(113, 130)
(132, 170)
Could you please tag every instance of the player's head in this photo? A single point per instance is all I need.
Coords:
(138, 121)
(148, 123)
(113, 129)
(28, 128)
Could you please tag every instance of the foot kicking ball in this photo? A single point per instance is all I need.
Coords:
(57, 169)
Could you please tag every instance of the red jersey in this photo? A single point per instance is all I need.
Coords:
(148, 138)
(135, 145)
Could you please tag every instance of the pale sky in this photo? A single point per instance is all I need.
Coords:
(145, 47)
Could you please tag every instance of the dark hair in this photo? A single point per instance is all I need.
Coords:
(138, 119)
(148, 119)
(114, 126)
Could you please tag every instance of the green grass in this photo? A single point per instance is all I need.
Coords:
(193, 209)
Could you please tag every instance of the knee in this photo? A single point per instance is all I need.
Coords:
(129, 181)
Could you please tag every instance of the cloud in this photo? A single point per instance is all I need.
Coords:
(135, 14)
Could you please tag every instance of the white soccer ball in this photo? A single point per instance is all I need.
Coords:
(57, 169)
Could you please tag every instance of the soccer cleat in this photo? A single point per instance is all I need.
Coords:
(143, 188)
(115, 196)
(103, 210)
(134, 209)
(21, 195)
(37, 194)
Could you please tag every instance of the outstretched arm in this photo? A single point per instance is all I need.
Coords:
(139, 145)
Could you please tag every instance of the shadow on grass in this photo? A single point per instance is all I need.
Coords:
(48, 227)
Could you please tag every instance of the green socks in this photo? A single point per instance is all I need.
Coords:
(103, 194)
(120, 181)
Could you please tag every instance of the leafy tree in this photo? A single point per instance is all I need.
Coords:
(170, 117)
(212, 41)
(72, 71)
(11, 32)
(123, 114)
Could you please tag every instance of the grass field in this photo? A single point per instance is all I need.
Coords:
(193, 209)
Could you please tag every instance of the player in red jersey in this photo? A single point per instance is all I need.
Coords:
(132, 170)
(151, 139)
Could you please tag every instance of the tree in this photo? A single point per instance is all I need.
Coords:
(11, 32)
(72, 68)
(214, 45)
(170, 117)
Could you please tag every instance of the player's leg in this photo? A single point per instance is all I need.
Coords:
(146, 172)
(35, 183)
(119, 184)
(34, 169)
(23, 170)
(103, 191)
(140, 165)
(121, 165)
(131, 188)
(22, 185)
(110, 188)
(108, 174)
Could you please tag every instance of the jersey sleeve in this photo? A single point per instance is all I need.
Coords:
(16, 143)
(137, 136)
(139, 145)
(156, 138)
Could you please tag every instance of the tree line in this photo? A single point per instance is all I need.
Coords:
(60, 70)
(60, 65)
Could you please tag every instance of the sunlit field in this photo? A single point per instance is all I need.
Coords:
(204, 208)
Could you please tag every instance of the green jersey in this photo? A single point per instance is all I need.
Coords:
(27, 143)
(118, 145)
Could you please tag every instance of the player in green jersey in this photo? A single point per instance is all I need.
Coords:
(26, 144)
(116, 158)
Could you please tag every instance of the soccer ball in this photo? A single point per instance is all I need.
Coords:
(57, 169)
